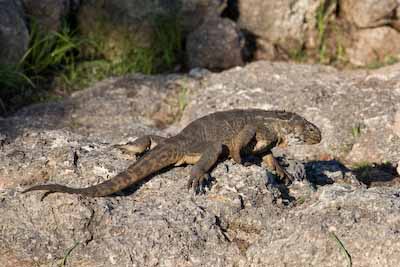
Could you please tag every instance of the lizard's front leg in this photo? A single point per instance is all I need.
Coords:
(201, 168)
(141, 144)
(273, 165)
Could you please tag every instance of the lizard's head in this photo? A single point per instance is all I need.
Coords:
(299, 131)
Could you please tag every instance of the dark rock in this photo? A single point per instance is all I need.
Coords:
(217, 45)
(195, 12)
(14, 35)
(118, 27)
(48, 14)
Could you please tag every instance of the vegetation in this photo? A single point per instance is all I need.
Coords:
(56, 63)
(342, 248)
(388, 60)
(324, 12)
(356, 130)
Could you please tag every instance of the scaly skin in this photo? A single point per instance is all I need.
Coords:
(202, 143)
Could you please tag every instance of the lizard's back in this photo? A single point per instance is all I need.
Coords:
(224, 125)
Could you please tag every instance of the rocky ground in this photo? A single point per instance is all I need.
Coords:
(328, 219)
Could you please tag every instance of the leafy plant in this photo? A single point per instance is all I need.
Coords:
(49, 52)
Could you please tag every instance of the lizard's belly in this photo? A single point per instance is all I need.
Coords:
(188, 159)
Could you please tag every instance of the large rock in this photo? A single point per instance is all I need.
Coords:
(238, 222)
(344, 105)
(195, 12)
(118, 27)
(369, 13)
(286, 24)
(48, 14)
(14, 35)
(217, 45)
(374, 46)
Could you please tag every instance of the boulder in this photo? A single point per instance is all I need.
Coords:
(48, 14)
(328, 219)
(14, 35)
(217, 45)
(195, 12)
(345, 105)
(374, 46)
(120, 27)
(369, 13)
(286, 24)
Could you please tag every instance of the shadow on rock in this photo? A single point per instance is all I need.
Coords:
(374, 175)
(328, 172)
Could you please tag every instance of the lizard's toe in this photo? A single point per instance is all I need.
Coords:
(198, 183)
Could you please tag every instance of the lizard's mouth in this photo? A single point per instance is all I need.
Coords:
(293, 140)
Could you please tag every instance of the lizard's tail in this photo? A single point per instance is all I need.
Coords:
(153, 161)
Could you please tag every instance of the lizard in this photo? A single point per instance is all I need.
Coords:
(203, 142)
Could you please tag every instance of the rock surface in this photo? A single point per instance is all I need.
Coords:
(14, 35)
(369, 13)
(120, 26)
(195, 12)
(374, 45)
(216, 44)
(48, 13)
(240, 221)
(285, 24)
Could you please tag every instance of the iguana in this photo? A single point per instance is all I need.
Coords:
(203, 142)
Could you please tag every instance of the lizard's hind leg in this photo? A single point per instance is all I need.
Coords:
(141, 144)
(240, 141)
(199, 172)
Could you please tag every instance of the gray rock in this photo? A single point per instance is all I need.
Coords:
(372, 46)
(216, 44)
(369, 13)
(14, 35)
(195, 12)
(115, 109)
(48, 14)
(286, 24)
(338, 102)
(120, 26)
(239, 221)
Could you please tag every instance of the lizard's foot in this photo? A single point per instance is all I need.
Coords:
(274, 165)
(199, 183)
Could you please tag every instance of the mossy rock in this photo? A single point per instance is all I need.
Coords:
(120, 30)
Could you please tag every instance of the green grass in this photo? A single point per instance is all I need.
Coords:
(183, 98)
(49, 52)
(63, 261)
(356, 131)
(160, 57)
(388, 60)
(26, 82)
(342, 248)
(323, 13)
(60, 57)
(299, 55)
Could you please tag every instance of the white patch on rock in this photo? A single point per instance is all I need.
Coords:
(101, 171)
(396, 124)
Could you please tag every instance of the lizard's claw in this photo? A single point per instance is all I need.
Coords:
(286, 177)
(198, 183)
